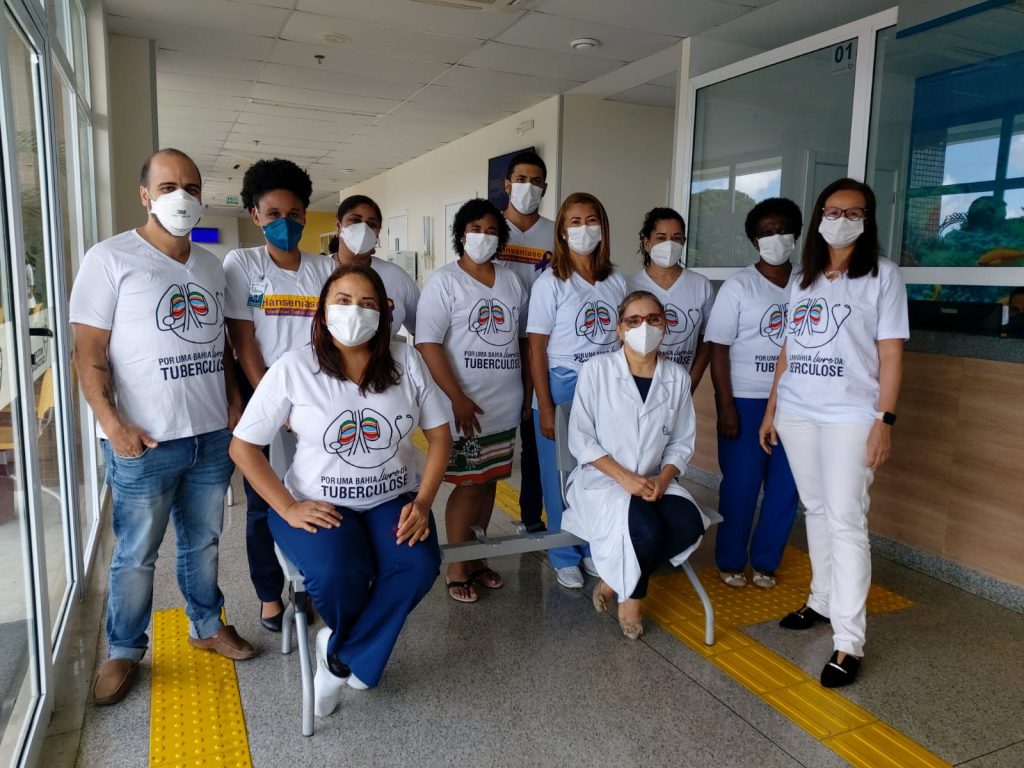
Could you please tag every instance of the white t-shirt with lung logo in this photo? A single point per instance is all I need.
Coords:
(749, 317)
(166, 323)
(578, 318)
(352, 450)
(687, 306)
(278, 302)
(528, 253)
(480, 328)
(832, 335)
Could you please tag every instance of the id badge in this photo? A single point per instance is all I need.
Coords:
(256, 290)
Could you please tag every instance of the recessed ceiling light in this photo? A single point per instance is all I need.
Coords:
(335, 38)
(585, 43)
(344, 170)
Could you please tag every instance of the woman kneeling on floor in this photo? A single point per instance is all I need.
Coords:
(352, 513)
(632, 430)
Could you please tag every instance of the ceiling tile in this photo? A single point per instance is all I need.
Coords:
(375, 38)
(336, 82)
(186, 113)
(466, 22)
(554, 33)
(647, 95)
(283, 95)
(187, 63)
(475, 102)
(531, 61)
(680, 19)
(166, 98)
(198, 84)
(210, 14)
(342, 58)
(316, 116)
(503, 82)
(181, 37)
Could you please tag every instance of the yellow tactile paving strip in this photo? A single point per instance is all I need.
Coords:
(196, 718)
(847, 729)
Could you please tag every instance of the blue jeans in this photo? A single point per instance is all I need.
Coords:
(563, 386)
(362, 583)
(745, 467)
(184, 480)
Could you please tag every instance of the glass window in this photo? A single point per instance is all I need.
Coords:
(946, 151)
(61, 25)
(19, 684)
(756, 136)
(80, 43)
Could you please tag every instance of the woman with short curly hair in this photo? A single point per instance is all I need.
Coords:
(471, 333)
(271, 297)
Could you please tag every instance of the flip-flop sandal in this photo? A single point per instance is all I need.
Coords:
(467, 585)
(494, 578)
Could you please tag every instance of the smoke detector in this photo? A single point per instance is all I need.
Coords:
(585, 44)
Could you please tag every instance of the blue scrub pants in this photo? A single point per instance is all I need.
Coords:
(563, 386)
(362, 583)
(745, 468)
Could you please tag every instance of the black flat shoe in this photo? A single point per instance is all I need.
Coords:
(271, 623)
(836, 674)
(805, 618)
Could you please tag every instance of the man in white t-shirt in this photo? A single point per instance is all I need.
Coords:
(528, 254)
(147, 313)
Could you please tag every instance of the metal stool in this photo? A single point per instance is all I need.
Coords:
(298, 604)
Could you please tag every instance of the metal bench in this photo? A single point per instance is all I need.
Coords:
(282, 451)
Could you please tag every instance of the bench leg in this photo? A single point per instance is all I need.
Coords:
(709, 611)
(286, 627)
(305, 663)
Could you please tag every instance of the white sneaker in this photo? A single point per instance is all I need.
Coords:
(327, 686)
(590, 568)
(570, 577)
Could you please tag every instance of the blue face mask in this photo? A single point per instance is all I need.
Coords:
(283, 233)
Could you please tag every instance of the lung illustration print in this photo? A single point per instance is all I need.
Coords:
(494, 322)
(773, 324)
(365, 438)
(191, 312)
(680, 324)
(813, 324)
(596, 322)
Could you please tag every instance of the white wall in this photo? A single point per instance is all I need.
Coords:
(228, 226)
(458, 169)
(622, 154)
(133, 125)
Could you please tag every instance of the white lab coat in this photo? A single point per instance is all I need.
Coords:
(608, 418)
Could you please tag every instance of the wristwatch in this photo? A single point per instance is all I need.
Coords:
(886, 417)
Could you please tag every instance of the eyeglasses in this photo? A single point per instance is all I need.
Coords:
(635, 321)
(851, 214)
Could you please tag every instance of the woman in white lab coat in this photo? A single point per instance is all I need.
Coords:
(632, 430)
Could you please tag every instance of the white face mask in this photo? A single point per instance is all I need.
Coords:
(776, 249)
(480, 247)
(178, 212)
(525, 198)
(583, 240)
(840, 232)
(643, 339)
(352, 325)
(359, 238)
(667, 253)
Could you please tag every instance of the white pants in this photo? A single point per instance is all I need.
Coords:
(829, 463)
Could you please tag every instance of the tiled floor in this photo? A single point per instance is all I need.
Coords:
(530, 676)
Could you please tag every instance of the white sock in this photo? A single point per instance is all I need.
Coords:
(355, 682)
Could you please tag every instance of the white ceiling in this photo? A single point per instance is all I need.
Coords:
(237, 80)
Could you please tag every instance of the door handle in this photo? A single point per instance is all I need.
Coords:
(44, 332)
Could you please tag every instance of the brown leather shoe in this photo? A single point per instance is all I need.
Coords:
(115, 678)
(227, 643)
